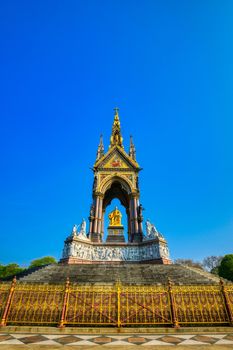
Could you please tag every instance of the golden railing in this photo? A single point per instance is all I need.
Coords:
(199, 305)
(4, 294)
(91, 305)
(115, 305)
(145, 305)
(37, 304)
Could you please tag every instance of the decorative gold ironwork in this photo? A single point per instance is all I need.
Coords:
(36, 304)
(65, 303)
(145, 305)
(172, 303)
(227, 292)
(4, 296)
(200, 304)
(115, 305)
(8, 302)
(92, 305)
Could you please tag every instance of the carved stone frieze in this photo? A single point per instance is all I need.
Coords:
(89, 252)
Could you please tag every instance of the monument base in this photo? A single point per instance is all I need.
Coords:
(115, 234)
(96, 237)
(74, 261)
(78, 251)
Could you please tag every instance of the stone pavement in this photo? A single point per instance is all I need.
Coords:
(11, 341)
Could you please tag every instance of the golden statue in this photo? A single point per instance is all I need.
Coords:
(115, 217)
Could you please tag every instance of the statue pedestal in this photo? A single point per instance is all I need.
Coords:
(115, 234)
(80, 251)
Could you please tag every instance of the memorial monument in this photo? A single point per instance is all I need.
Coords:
(124, 280)
(116, 174)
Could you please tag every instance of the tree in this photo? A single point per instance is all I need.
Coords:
(189, 262)
(226, 267)
(43, 261)
(10, 270)
(215, 271)
(211, 263)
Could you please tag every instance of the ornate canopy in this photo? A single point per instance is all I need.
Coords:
(116, 176)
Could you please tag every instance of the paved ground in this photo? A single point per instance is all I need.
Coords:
(51, 338)
(11, 341)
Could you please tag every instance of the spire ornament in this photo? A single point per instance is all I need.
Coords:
(100, 150)
(116, 138)
(132, 150)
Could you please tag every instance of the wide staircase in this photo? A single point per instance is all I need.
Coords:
(139, 274)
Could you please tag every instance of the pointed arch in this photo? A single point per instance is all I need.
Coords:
(123, 181)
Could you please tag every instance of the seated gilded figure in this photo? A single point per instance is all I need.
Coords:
(115, 217)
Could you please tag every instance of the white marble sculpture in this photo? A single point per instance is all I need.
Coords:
(82, 233)
(151, 231)
(83, 228)
(74, 231)
(86, 251)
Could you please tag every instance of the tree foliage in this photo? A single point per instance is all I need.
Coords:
(13, 268)
(211, 263)
(10, 270)
(226, 267)
(42, 261)
(189, 262)
(215, 270)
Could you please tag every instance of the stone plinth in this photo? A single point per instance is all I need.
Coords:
(115, 234)
(78, 251)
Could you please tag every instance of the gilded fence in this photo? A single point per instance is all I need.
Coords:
(92, 305)
(229, 291)
(145, 305)
(36, 304)
(4, 292)
(198, 304)
(115, 305)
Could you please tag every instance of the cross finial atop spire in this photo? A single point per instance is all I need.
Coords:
(116, 109)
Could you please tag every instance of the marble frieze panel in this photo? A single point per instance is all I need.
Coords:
(87, 251)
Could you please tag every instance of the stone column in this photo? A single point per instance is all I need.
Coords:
(91, 219)
(96, 215)
(102, 228)
(128, 222)
(131, 219)
(135, 215)
(90, 224)
(137, 235)
(140, 220)
(140, 228)
(99, 218)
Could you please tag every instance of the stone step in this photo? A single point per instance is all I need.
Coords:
(128, 273)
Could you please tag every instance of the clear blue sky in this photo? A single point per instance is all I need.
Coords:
(64, 66)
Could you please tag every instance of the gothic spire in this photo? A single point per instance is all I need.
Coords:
(100, 150)
(132, 150)
(116, 138)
